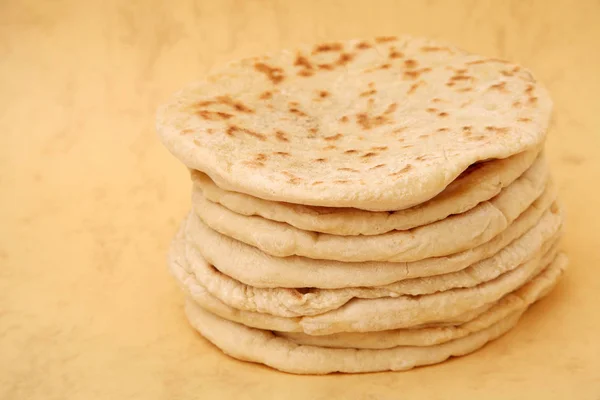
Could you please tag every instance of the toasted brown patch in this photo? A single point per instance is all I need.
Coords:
(424, 136)
(443, 114)
(280, 135)
(330, 147)
(443, 129)
(431, 109)
(297, 112)
(261, 157)
(436, 100)
(516, 104)
(281, 153)
(341, 181)
(385, 39)
(529, 89)
(379, 148)
(344, 119)
(351, 151)
(466, 89)
(233, 129)
(266, 95)
(369, 154)
(429, 49)
(328, 67)
(467, 128)
(532, 100)
(315, 183)
(254, 164)
(410, 63)
(333, 137)
(302, 61)
(497, 129)
(501, 87)
(385, 66)
(213, 115)
(327, 47)
(344, 58)
(413, 88)
(274, 74)
(324, 93)
(391, 108)
(348, 169)
(414, 74)
(399, 130)
(461, 78)
(406, 168)
(377, 166)
(291, 177)
(477, 138)
(320, 160)
(524, 119)
(368, 93)
(363, 45)
(305, 73)
(394, 53)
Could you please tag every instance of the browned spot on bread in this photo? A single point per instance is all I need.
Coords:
(254, 164)
(274, 74)
(428, 49)
(261, 157)
(281, 153)
(210, 131)
(422, 157)
(379, 148)
(344, 119)
(413, 88)
(330, 147)
(367, 122)
(466, 89)
(532, 100)
(291, 177)
(450, 84)
(461, 71)
(369, 154)
(213, 115)
(423, 136)
(414, 74)
(363, 45)
(266, 95)
(394, 53)
(443, 129)
(313, 130)
(297, 112)
(377, 166)
(524, 119)
(348, 169)
(281, 136)
(496, 129)
(461, 78)
(529, 89)
(320, 160)
(344, 58)
(467, 128)
(443, 114)
(324, 93)
(385, 39)
(406, 168)
(368, 93)
(327, 47)
(431, 109)
(391, 108)
(477, 138)
(333, 137)
(315, 183)
(305, 73)
(341, 181)
(351, 151)
(516, 104)
(399, 130)
(385, 66)
(501, 87)
(232, 130)
(436, 100)
(302, 61)
(407, 146)
(410, 63)
(327, 67)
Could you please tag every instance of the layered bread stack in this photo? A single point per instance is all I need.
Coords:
(363, 205)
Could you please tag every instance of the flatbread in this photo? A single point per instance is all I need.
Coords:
(513, 303)
(365, 315)
(382, 124)
(250, 344)
(479, 183)
(255, 268)
(450, 235)
(286, 302)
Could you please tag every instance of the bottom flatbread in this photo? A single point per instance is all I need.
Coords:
(264, 347)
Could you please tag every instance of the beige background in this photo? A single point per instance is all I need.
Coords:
(89, 199)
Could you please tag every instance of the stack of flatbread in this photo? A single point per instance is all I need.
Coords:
(363, 205)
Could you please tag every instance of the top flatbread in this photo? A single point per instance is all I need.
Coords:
(379, 125)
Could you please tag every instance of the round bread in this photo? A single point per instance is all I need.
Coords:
(383, 124)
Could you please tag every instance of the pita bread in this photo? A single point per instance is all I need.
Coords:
(365, 315)
(450, 235)
(479, 183)
(378, 125)
(286, 302)
(513, 303)
(255, 268)
(265, 347)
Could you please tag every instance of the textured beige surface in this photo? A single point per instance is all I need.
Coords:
(380, 123)
(477, 184)
(90, 199)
